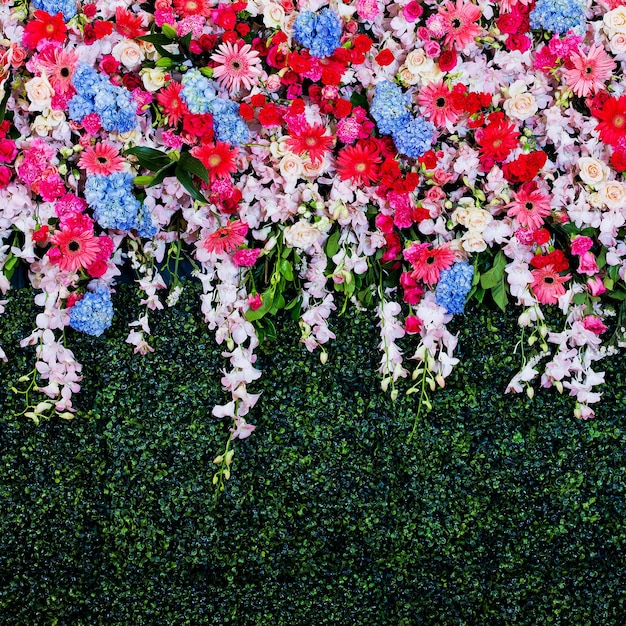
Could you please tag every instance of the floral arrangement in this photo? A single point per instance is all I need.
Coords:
(404, 155)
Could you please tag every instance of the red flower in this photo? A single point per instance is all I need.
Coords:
(128, 24)
(497, 139)
(612, 116)
(525, 167)
(556, 259)
(44, 27)
(199, 125)
(227, 238)
(219, 159)
(384, 57)
(270, 115)
(311, 139)
(359, 163)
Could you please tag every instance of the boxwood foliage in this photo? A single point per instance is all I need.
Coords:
(501, 510)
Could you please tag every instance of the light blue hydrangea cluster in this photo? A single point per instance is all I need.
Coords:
(200, 95)
(453, 286)
(198, 91)
(67, 7)
(94, 313)
(415, 138)
(115, 206)
(558, 16)
(228, 124)
(96, 94)
(319, 32)
(391, 110)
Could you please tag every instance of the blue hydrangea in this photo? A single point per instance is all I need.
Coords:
(198, 91)
(113, 203)
(390, 108)
(453, 286)
(415, 138)
(228, 124)
(67, 7)
(94, 313)
(558, 16)
(319, 32)
(96, 94)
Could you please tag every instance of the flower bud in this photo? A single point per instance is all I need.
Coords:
(530, 392)
(394, 395)
(324, 357)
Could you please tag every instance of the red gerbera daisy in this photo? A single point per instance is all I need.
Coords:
(173, 105)
(103, 159)
(227, 238)
(74, 249)
(359, 163)
(428, 263)
(312, 140)
(497, 139)
(219, 159)
(44, 26)
(192, 7)
(612, 126)
(128, 24)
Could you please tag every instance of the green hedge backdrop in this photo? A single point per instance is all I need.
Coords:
(501, 510)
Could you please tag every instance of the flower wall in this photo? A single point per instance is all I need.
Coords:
(404, 156)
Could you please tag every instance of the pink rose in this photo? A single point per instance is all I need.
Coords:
(246, 257)
(594, 324)
(581, 244)
(412, 324)
(412, 11)
(596, 286)
(255, 301)
(587, 264)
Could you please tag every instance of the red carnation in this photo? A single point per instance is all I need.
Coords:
(44, 27)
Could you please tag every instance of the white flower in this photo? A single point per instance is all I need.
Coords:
(128, 53)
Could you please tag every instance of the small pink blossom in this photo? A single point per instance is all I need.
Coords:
(246, 257)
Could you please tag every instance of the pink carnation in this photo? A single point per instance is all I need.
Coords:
(246, 257)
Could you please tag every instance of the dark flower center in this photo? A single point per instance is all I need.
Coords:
(440, 102)
(73, 246)
(529, 206)
(456, 22)
(65, 72)
(548, 280)
(102, 159)
(430, 260)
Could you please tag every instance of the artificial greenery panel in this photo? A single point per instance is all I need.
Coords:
(500, 510)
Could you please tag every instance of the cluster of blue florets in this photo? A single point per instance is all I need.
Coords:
(94, 313)
(390, 108)
(115, 206)
(558, 16)
(200, 95)
(319, 32)
(96, 94)
(453, 286)
(67, 7)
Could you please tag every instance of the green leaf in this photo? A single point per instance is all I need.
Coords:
(5, 98)
(492, 277)
(169, 32)
(268, 300)
(163, 173)
(149, 158)
(187, 182)
(332, 245)
(579, 298)
(194, 165)
(279, 303)
(286, 269)
(156, 38)
(498, 293)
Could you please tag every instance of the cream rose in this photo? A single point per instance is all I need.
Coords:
(273, 15)
(153, 78)
(128, 53)
(417, 62)
(41, 126)
(301, 235)
(617, 43)
(39, 92)
(460, 215)
(290, 167)
(472, 241)
(613, 194)
(520, 104)
(477, 219)
(407, 77)
(615, 21)
(592, 171)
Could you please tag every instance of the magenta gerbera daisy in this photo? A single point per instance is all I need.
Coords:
(237, 66)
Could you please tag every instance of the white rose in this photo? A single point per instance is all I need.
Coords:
(417, 62)
(39, 92)
(150, 51)
(153, 78)
(617, 43)
(613, 194)
(40, 126)
(592, 171)
(407, 77)
(54, 118)
(273, 15)
(615, 21)
(128, 53)
(314, 171)
(301, 235)
(478, 219)
(472, 241)
(520, 104)
(290, 167)
(460, 215)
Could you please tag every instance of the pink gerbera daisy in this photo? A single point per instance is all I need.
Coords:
(102, 159)
(428, 263)
(311, 139)
(360, 163)
(547, 284)
(530, 206)
(435, 98)
(227, 238)
(589, 72)
(74, 249)
(459, 23)
(237, 66)
(59, 65)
